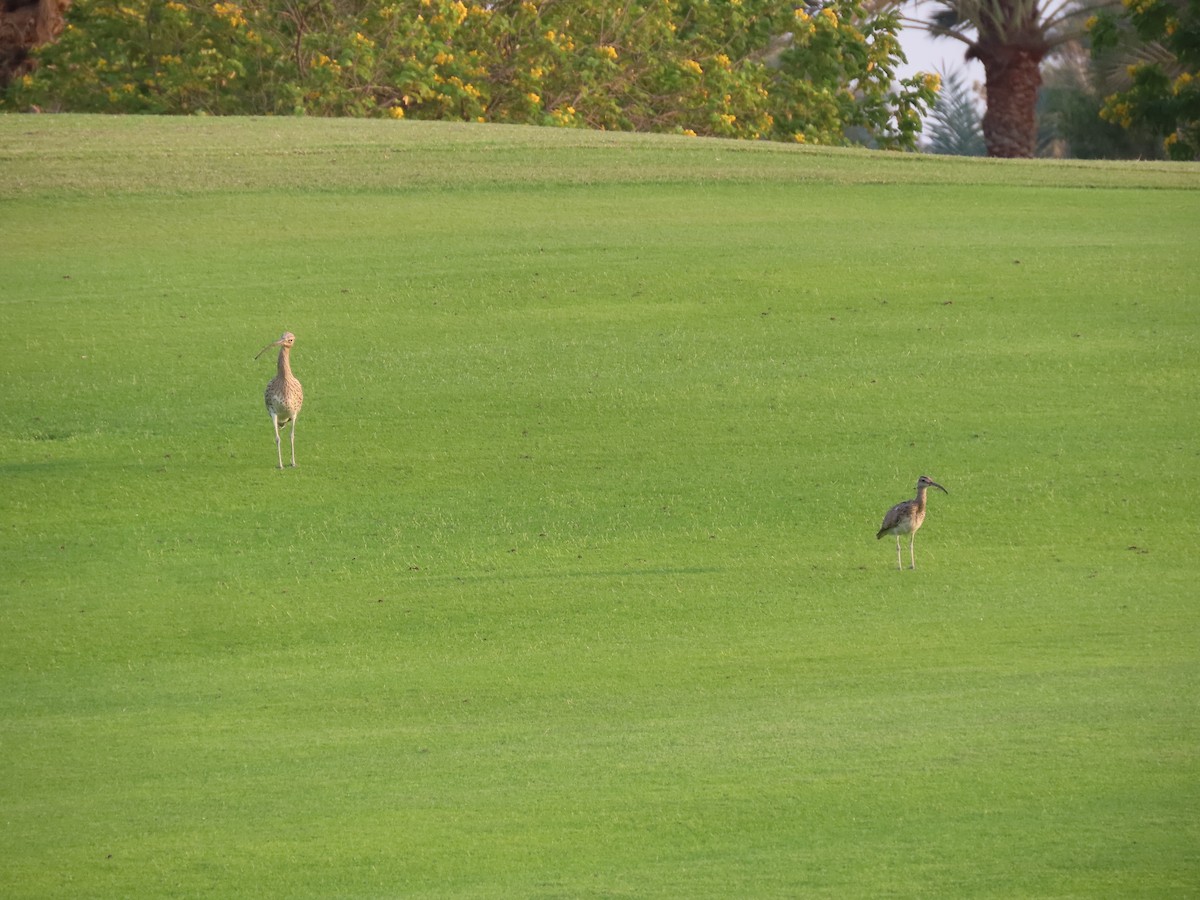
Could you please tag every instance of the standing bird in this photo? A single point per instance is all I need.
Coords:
(906, 518)
(284, 396)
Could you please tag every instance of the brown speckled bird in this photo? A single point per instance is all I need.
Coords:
(906, 518)
(283, 396)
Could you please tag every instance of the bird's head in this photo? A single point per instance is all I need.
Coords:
(286, 341)
(926, 482)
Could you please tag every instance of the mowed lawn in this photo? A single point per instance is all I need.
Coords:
(575, 591)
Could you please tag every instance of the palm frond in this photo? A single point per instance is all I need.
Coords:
(954, 127)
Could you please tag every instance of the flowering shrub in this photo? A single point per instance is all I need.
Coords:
(1163, 88)
(733, 68)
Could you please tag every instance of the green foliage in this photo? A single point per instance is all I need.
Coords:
(955, 127)
(1069, 123)
(698, 67)
(1162, 92)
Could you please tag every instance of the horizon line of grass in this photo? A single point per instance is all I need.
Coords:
(66, 155)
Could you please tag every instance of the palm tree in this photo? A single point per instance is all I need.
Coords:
(954, 129)
(25, 24)
(1010, 38)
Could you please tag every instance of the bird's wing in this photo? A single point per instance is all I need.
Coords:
(894, 515)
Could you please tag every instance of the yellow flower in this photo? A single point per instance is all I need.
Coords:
(396, 112)
(830, 15)
(932, 82)
(533, 98)
(798, 137)
(692, 66)
(442, 58)
(610, 52)
(1120, 113)
(322, 61)
(230, 11)
(689, 133)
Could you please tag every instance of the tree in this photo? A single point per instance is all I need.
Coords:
(704, 67)
(1155, 46)
(25, 24)
(1069, 106)
(955, 129)
(1010, 38)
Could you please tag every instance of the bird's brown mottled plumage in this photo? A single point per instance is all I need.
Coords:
(284, 396)
(906, 518)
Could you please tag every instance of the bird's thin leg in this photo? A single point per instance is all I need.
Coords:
(278, 450)
(293, 444)
(898, 563)
(912, 539)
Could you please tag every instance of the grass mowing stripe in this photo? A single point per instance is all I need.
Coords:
(65, 155)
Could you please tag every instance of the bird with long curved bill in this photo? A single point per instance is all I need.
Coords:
(906, 518)
(283, 395)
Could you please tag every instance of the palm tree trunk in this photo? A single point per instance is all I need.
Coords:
(1013, 76)
(25, 24)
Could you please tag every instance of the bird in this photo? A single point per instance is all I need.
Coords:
(283, 395)
(906, 518)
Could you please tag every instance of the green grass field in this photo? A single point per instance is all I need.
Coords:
(575, 591)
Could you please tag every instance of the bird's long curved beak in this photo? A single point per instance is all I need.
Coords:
(280, 341)
(939, 487)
